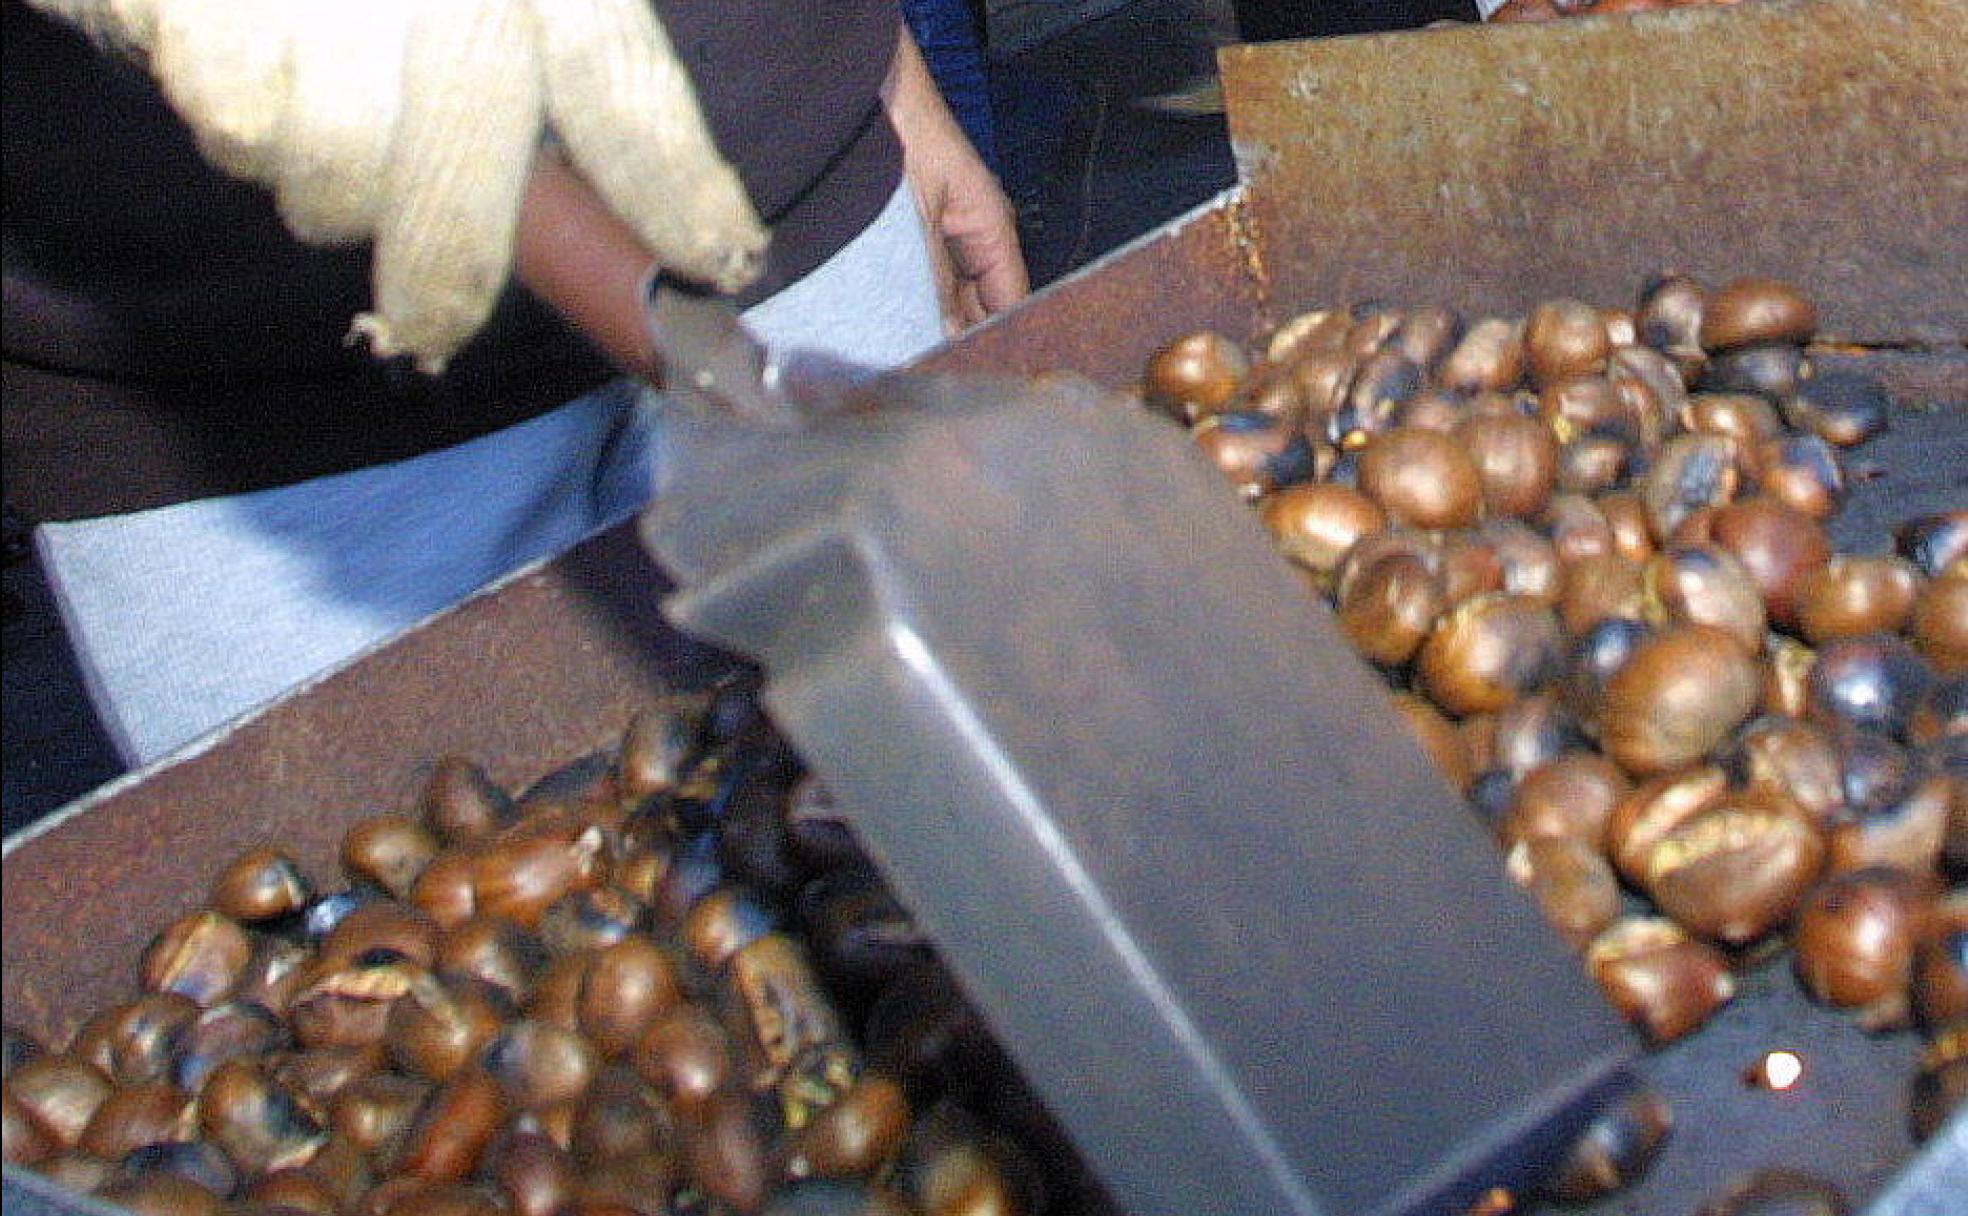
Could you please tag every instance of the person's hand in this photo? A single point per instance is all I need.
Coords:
(414, 123)
(974, 232)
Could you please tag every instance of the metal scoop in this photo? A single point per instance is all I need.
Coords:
(1254, 953)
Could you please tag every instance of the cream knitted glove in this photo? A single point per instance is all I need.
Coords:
(413, 124)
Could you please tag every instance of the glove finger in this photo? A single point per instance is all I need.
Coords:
(346, 91)
(223, 65)
(625, 112)
(464, 146)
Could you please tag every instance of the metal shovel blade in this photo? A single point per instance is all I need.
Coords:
(1254, 953)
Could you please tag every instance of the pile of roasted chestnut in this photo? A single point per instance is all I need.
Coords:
(1587, 548)
(662, 980)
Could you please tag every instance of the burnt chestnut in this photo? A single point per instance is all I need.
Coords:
(1615, 1150)
(1856, 594)
(1388, 609)
(1676, 699)
(1776, 544)
(1257, 453)
(1315, 524)
(200, 955)
(1194, 376)
(1844, 408)
(1751, 311)
(1803, 473)
(1935, 543)
(1490, 358)
(1854, 940)
(258, 1124)
(1872, 683)
(862, 936)
(1422, 478)
(1669, 318)
(1565, 338)
(1664, 982)
(1489, 651)
(1772, 371)
(1693, 473)
(389, 851)
(1734, 873)
(1575, 889)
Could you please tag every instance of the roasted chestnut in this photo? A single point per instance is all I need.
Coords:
(1694, 472)
(60, 1093)
(1732, 874)
(1488, 651)
(461, 803)
(1854, 941)
(1777, 544)
(1658, 978)
(200, 955)
(1705, 585)
(1572, 795)
(1935, 543)
(1841, 407)
(1574, 887)
(389, 851)
(1852, 595)
(1315, 524)
(1669, 319)
(1803, 473)
(1938, 623)
(261, 884)
(1388, 609)
(624, 989)
(1872, 683)
(1676, 699)
(1617, 1148)
(1256, 452)
(258, 1124)
(1751, 311)
(1194, 376)
(1489, 359)
(1565, 338)
(1422, 478)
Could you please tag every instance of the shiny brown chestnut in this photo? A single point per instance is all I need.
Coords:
(592, 918)
(624, 989)
(1871, 683)
(724, 1153)
(1669, 318)
(1194, 376)
(1255, 452)
(445, 1141)
(1938, 623)
(137, 1040)
(1654, 809)
(1600, 587)
(388, 850)
(1307, 333)
(1705, 585)
(1907, 832)
(200, 955)
(536, 1176)
(1421, 478)
(259, 885)
(1571, 796)
(60, 1093)
(1676, 699)
(150, 1112)
(537, 1064)
(1855, 594)
(380, 932)
(462, 804)
(1565, 338)
(1489, 651)
(1626, 516)
(1751, 311)
(22, 1141)
(234, 1030)
(1776, 544)
(445, 890)
(1529, 733)
(1373, 327)
(1732, 874)
(1490, 358)
(286, 1192)
(1516, 461)
(1387, 610)
(1316, 523)
(1574, 887)
(373, 1113)
(491, 950)
(1427, 335)
(857, 1136)
(1593, 464)
(1664, 982)
(1940, 966)
(1576, 527)
(619, 1115)
(436, 1028)
(686, 1055)
(315, 1076)
(520, 876)
(1854, 939)
(1791, 762)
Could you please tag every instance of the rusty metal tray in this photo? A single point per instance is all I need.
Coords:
(1820, 140)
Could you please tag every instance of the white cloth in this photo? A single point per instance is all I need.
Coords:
(184, 617)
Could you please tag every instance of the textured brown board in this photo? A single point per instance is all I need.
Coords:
(1821, 141)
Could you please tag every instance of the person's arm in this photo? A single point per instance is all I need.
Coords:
(974, 232)
(585, 263)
